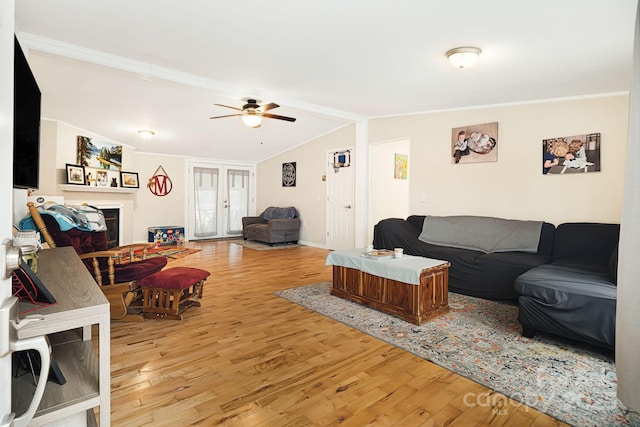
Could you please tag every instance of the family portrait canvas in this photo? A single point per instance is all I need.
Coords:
(571, 154)
(474, 143)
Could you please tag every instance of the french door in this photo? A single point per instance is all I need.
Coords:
(219, 196)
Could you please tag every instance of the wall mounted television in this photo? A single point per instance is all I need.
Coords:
(26, 123)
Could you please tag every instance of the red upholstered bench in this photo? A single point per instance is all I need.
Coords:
(168, 293)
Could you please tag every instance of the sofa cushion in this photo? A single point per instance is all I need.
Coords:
(279, 213)
(483, 234)
(585, 243)
(175, 278)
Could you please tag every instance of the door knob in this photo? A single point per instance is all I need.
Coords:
(9, 258)
(348, 207)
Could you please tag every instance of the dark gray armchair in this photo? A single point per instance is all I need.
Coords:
(274, 225)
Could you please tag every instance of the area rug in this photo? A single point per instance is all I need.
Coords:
(259, 246)
(171, 253)
(481, 340)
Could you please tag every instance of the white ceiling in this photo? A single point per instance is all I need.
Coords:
(116, 66)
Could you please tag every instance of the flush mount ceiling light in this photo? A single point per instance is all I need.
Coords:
(463, 57)
(251, 119)
(146, 134)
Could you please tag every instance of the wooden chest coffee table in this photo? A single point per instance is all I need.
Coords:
(416, 289)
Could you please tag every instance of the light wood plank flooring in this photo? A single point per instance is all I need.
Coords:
(250, 358)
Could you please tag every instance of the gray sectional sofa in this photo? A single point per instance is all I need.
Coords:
(474, 270)
(574, 296)
(564, 286)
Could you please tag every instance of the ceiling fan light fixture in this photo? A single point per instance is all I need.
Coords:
(251, 119)
(146, 134)
(463, 57)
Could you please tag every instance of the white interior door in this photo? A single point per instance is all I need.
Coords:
(340, 204)
(6, 180)
(219, 196)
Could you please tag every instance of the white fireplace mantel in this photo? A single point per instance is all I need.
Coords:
(92, 189)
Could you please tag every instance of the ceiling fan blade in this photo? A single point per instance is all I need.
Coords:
(228, 115)
(269, 106)
(229, 106)
(275, 116)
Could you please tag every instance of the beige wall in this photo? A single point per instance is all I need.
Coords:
(309, 194)
(389, 196)
(151, 210)
(514, 186)
(140, 208)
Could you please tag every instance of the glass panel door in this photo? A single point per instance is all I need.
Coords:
(205, 202)
(220, 195)
(238, 199)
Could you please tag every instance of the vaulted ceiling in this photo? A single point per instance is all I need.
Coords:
(113, 67)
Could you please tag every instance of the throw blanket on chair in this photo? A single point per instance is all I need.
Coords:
(483, 234)
(85, 218)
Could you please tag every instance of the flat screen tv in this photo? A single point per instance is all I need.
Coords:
(26, 123)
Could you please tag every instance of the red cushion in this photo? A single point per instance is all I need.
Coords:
(135, 270)
(174, 278)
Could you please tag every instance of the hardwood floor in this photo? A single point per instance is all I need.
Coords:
(250, 358)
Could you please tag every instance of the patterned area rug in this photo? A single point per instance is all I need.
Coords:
(173, 252)
(480, 340)
(259, 246)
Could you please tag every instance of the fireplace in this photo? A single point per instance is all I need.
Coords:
(112, 221)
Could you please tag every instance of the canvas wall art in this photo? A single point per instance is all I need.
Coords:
(289, 174)
(98, 155)
(571, 154)
(401, 166)
(474, 143)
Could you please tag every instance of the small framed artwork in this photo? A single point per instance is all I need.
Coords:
(102, 178)
(129, 180)
(401, 166)
(75, 175)
(289, 174)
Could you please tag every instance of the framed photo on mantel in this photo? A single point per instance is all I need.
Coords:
(75, 174)
(129, 180)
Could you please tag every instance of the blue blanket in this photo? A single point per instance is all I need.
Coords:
(85, 218)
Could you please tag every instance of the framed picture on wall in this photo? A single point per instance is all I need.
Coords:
(75, 175)
(289, 174)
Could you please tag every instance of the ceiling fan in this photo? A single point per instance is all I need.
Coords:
(252, 113)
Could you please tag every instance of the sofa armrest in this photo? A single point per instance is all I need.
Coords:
(248, 220)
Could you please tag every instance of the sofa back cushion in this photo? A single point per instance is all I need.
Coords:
(585, 243)
(279, 213)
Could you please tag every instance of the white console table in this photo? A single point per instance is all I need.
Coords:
(68, 323)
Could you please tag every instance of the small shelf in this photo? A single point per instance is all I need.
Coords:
(91, 189)
(79, 364)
